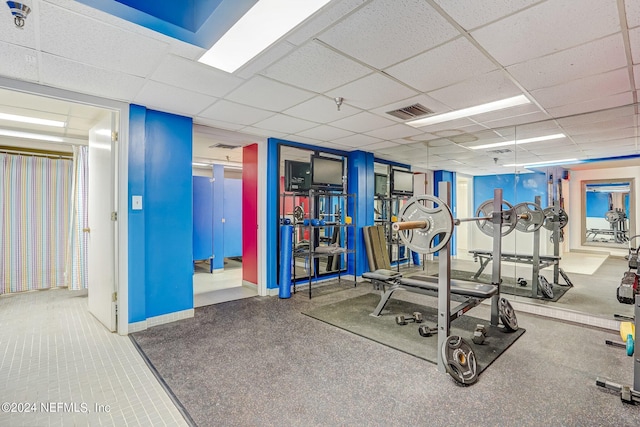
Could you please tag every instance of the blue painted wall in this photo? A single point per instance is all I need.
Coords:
(516, 188)
(598, 204)
(161, 234)
(232, 217)
(202, 218)
(218, 216)
(361, 182)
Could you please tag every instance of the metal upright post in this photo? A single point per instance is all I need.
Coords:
(636, 355)
(556, 239)
(536, 258)
(497, 253)
(444, 280)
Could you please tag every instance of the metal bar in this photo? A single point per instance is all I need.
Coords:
(409, 225)
(536, 258)
(556, 238)
(444, 280)
(636, 355)
(497, 254)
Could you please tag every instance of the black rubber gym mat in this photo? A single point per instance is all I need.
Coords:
(353, 315)
(510, 287)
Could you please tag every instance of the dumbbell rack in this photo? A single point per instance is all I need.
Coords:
(628, 393)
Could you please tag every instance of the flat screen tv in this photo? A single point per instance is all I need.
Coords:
(326, 173)
(401, 182)
(381, 188)
(297, 176)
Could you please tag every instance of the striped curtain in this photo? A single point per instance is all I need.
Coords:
(35, 198)
(76, 259)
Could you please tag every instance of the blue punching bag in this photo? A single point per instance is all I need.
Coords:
(286, 241)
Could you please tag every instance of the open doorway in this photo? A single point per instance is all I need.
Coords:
(47, 147)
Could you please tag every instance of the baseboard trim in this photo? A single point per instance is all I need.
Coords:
(161, 320)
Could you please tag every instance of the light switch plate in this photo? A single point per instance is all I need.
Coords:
(136, 203)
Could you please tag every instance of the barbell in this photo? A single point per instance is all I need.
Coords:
(427, 229)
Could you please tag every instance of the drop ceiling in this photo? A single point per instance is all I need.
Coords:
(569, 57)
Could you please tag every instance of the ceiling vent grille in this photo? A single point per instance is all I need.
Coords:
(411, 112)
(502, 151)
(224, 146)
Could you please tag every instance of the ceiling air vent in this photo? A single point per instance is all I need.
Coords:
(224, 146)
(503, 151)
(411, 112)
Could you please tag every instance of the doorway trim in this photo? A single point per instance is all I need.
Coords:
(122, 180)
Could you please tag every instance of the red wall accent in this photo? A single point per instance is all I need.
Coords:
(250, 213)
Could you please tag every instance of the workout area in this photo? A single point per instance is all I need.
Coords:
(417, 212)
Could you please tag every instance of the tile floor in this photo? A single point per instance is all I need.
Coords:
(56, 356)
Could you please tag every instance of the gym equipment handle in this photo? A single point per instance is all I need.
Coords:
(409, 225)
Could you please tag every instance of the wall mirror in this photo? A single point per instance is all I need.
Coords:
(608, 214)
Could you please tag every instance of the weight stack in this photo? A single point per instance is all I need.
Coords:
(286, 243)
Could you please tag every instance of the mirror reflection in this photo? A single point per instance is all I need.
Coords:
(607, 211)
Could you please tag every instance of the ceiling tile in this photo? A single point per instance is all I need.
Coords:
(231, 112)
(557, 25)
(357, 141)
(372, 34)
(456, 61)
(517, 120)
(93, 42)
(636, 75)
(395, 132)
(478, 90)
(589, 119)
(190, 75)
(372, 91)
(380, 145)
(217, 124)
(62, 73)
(172, 99)
(634, 39)
(472, 14)
(592, 58)
(617, 100)
(632, 9)
(265, 59)
(362, 122)
(323, 110)
(316, 68)
(286, 124)
(610, 135)
(329, 15)
(267, 94)
(25, 36)
(18, 62)
(325, 133)
(263, 133)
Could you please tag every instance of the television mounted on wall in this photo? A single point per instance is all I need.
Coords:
(401, 182)
(297, 176)
(381, 187)
(326, 173)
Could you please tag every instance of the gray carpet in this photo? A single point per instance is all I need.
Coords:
(260, 362)
(353, 315)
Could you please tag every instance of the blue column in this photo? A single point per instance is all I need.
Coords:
(273, 196)
(218, 215)
(361, 182)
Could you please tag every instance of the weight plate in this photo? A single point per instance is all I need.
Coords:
(439, 224)
(459, 360)
(298, 213)
(630, 345)
(530, 217)
(549, 220)
(507, 315)
(486, 225)
(612, 216)
(545, 287)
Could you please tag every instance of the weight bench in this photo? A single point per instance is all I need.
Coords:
(485, 256)
(470, 294)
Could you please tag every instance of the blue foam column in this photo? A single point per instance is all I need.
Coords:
(286, 243)
(416, 258)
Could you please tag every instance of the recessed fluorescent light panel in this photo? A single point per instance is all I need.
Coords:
(28, 135)
(520, 141)
(32, 120)
(471, 111)
(261, 26)
(540, 164)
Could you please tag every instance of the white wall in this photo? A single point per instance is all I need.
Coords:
(575, 214)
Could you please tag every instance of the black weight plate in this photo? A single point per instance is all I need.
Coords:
(507, 315)
(459, 360)
(545, 287)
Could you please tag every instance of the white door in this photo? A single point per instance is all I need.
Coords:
(101, 259)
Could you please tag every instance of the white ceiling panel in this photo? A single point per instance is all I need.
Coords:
(59, 72)
(93, 42)
(267, 94)
(286, 124)
(600, 137)
(632, 9)
(585, 89)
(557, 25)
(372, 91)
(325, 133)
(196, 77)
(516, 120)
(634, 39)
(612, 101)
(362, 122)
(262, 133)
(235, 113)
(357, 140)
(372, 34)
(24, 37)
(394, 132)
(623, 123)
(472, 14)
(317, 68)
(265, 59)
(457, 60)
(172, 99)
(322, 109)
(327, 16)
(383, 144)
(598, 116)
(218, 124)
(478, 90)
(592, 58)
(18, 62)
